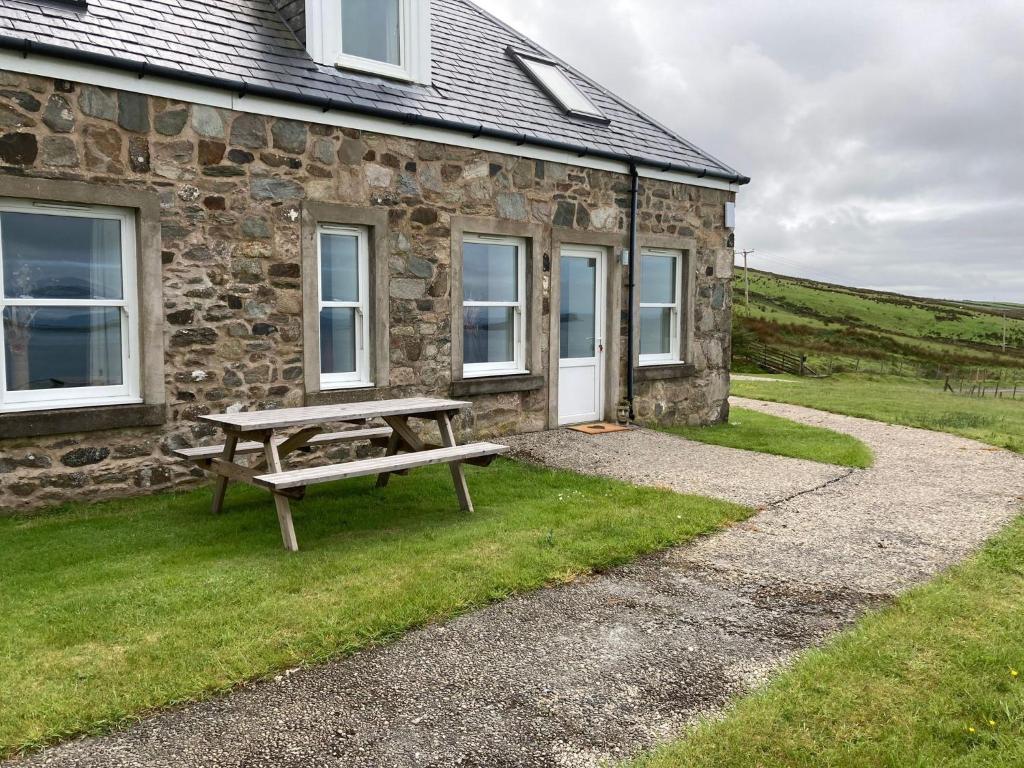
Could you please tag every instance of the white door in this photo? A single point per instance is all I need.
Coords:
(581, 350)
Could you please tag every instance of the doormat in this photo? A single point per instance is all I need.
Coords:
(599, 429)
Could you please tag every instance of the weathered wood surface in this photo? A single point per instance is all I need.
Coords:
(379, 465)
(444, 424)
(242, 449)
(405, 449)
(260, 421)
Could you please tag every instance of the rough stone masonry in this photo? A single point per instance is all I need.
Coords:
(231, 186)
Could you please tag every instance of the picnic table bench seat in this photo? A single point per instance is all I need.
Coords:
(203, 453)
(301, 478)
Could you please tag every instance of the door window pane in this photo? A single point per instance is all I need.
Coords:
(489, 335)
(655, 331)
(338, 340)
(658, 279)
(578, 312)
(62, 347)
(339, 267)
(371, 29)
(60, 257)
(490, 272)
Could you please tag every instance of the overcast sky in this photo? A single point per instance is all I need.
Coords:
(885, 137)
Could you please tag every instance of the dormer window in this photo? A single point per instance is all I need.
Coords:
(390, 38)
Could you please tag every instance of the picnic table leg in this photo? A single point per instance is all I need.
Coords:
(444, 423)
(284, 510)
(393, 442)
(222, 482)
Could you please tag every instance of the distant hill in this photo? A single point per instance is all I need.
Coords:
(847, 328)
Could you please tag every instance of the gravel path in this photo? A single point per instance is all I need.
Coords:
(593, 672)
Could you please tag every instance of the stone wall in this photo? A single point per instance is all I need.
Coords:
(231, 186)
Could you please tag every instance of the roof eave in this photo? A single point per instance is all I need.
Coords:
(142, 68)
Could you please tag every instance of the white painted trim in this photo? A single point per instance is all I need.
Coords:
(676, 337)
(129, 389)
(516, 366)
(360, 377)
(324, 41)
(108, 77)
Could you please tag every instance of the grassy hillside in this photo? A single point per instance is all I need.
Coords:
(859, 329)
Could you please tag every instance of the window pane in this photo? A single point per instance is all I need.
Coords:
(490, 272)
(489, 335)
(371, 29)
(655, 331)
(562, 88)
(338, 340)
(578, 320)
(658, 279)
(62, 347)
(339, 267)
(60, 257)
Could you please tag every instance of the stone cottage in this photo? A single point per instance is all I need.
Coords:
(214, 206)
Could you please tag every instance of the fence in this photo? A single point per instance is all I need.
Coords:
(984, 388)
(777, 360)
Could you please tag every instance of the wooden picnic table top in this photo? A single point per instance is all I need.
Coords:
(261, 421)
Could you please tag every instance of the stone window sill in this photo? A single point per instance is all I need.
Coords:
(75, 420)
(664, 372)
(497, 385)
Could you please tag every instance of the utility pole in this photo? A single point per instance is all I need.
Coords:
(746, 278)
(1004, 332)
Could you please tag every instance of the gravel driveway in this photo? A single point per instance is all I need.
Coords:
(596, 671)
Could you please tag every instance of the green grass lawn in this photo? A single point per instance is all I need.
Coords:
(936, 680)
(762, 432)
(112, 609)
(901, 401)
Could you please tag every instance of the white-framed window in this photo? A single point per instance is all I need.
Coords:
(390, 38)
(344, 269)
(661, 306)
(69, 336)
(493, 305)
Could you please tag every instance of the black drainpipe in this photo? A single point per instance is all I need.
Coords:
(634, 255)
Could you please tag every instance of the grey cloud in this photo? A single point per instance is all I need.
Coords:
(885, 137)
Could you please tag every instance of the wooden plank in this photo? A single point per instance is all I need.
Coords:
(375, 466)
(256, 421)
(284, 511)
(291, 444)
(401, 427)
(221, 488)
(394, 443)
(444, 423)
(330, 438)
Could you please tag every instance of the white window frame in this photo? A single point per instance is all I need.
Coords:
(542, 70)
(675, 340)
(324, 41)
(359, 378)
(128, 392)
(517, 367)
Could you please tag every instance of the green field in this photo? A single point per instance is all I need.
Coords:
(110, 610)
(764, 433)
(897, 400)
(853, 328)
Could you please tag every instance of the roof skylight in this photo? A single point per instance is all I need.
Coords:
(550, 77)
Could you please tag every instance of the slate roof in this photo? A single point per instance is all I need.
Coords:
(476, 85)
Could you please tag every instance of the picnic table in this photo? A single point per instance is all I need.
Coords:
(272, 436)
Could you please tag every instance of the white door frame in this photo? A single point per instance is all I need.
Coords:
(600, 256)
